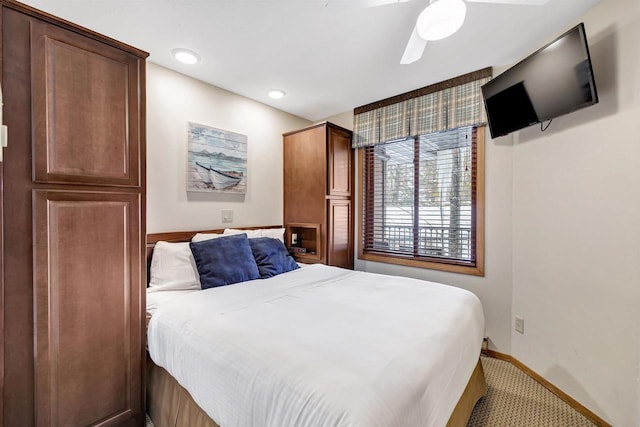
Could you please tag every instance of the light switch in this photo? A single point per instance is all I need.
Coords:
(227, 215)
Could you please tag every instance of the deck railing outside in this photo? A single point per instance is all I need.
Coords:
(432, 241)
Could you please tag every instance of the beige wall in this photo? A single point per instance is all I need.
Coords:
(576, 231)
(174, 99)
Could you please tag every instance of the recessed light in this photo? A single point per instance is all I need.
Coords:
(276, 93)
(186, 56)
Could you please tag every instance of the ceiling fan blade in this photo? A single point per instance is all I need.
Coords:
(514, 2)
(414, 48)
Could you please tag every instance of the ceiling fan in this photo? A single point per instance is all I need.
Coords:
(442, 18)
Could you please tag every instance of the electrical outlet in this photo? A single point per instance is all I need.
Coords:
(520, 324)
(227, 215)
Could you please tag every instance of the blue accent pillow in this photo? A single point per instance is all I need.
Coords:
(271, 256)
(224, 261)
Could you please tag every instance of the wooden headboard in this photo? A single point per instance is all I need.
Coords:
(184, 236)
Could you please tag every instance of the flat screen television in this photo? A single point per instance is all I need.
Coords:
(555, 80)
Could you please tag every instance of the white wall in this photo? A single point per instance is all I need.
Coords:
(576, 231)
(343, 119)
(174, 99)
(494, 289)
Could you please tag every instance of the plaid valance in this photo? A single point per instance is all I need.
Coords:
(443, 106)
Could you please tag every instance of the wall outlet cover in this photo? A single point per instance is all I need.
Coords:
(519, 324)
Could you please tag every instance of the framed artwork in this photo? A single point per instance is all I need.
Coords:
(217, 160)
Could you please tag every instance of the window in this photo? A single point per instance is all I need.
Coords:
(421, 169)
(422, 201)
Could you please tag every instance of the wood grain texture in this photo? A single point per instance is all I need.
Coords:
(38, 351)
(88, 312)
(340, 250)
(339, 163)
(16, 183)
(305, 176)
(318, 169)
(85, 109)
(310, 237)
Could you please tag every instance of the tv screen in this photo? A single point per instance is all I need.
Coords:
(555, 80)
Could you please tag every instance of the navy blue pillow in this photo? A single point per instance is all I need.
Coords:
(224, 261)
(271, 256)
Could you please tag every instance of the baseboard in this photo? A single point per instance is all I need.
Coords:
(552, 388)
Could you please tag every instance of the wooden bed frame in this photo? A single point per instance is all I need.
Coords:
(170, 405)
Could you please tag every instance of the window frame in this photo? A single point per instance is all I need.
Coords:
(475, 268)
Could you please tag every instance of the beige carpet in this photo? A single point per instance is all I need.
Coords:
(516, 400)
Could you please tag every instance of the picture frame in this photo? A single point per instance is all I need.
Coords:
(216, 160)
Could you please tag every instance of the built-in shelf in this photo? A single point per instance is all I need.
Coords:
(307, 239)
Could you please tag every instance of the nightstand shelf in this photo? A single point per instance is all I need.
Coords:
(308, 237)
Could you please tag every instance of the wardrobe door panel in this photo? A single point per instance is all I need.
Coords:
(339, 163)
(85, 109)
(88, 340)
(305, 174)
(340, 244)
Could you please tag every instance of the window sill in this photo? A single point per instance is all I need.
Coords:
(452, 267)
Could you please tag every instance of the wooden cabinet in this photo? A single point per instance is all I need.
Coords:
(318, 190)
(85, 127)
(73, 217)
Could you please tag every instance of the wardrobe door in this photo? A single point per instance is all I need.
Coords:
(305, 176)
(87, 281)
(85, 109)
(339, 162)
(340, 236)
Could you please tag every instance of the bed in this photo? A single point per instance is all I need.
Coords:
(316, 346)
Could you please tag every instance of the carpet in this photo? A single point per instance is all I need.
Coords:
(515, 399)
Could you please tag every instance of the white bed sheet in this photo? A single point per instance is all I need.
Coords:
(322, 346)
(155, 300)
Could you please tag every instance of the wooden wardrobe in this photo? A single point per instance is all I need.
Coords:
(318, 193)
(73, 224)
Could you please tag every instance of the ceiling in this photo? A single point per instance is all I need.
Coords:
(329, 56)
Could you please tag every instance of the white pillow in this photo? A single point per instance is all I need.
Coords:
(201, 237)
(274, 233)
(173, 268)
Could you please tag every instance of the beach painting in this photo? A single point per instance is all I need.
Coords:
(217, 160)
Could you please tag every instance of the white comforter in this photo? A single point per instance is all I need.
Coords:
(322, 346)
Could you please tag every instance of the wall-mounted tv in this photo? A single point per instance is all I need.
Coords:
(555, 80)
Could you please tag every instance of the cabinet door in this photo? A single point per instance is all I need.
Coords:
(340, 236)
(86, 109)
(305, 176)
(339, 162)
(87, 303)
